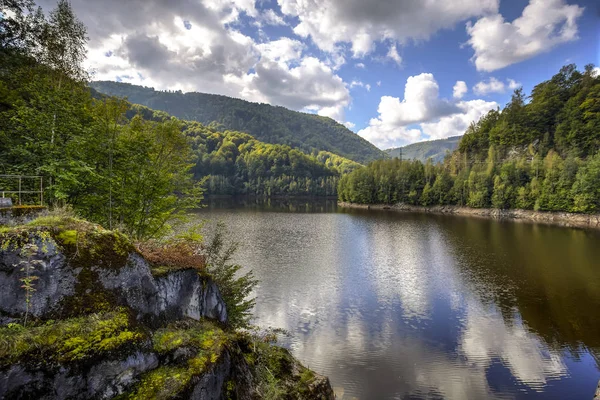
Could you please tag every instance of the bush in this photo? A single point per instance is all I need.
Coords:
(234, 288)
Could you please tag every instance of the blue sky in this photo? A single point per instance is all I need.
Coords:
(386, 69)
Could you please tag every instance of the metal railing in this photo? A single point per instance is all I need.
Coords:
(24, 185)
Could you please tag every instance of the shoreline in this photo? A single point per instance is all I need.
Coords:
(565, 219)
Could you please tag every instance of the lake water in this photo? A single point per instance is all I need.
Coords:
(398, 305)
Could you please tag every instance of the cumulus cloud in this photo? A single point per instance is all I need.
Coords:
(543, 25)
(361, 23)
(421, 111)
(193, 46)
(493, 85)
(421, 102)
(456, 124)
(459, 89)
(283, 50)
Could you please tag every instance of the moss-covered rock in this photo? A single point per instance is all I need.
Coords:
(81, 268)
(75, 339)
(102, 325)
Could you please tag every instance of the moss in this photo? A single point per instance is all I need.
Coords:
(67, 236)
(205, 338)
(67, 340)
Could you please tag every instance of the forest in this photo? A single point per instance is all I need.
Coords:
(540, 152)
(267, 123)
(235, 163)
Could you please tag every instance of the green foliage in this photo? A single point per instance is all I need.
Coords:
(269, 124)
(234, 287)
(540, 155)
(234, 163)
(67, 340)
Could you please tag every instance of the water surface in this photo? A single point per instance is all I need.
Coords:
(399, 305)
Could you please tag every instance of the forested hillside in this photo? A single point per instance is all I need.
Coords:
(235, 163)
(422, 151)
(270, 124)
(540, 153)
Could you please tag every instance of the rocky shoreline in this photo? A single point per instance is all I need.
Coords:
(565, 219)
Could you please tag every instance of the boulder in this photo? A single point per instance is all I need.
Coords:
(78, 272)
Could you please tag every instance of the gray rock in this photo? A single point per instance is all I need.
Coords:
(174, 296)
(110, 378)
(56, 279)
(103, 381)
(210, 385)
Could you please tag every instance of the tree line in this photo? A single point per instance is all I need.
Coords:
(538, 153)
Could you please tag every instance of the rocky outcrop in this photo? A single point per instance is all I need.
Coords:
(70, 279)
(597, 395)
(554, 218)
(105, 324)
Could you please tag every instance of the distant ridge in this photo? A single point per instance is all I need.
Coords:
(422, 151)
(270, 124)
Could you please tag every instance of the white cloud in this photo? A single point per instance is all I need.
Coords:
(349, 124)
(493, 85)
(421, 102)
(456, 124)
(596, 71)
(512, 84)
(310, 86)
(421, 112)
(360, 65)
(283, 50)
(270, 17)
(393, 54)
(378, 83)
(543, 25)
(356, 83)
(459, 89)
(361, 23)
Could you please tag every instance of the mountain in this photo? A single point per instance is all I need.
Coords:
(270, 124)
(434, 149)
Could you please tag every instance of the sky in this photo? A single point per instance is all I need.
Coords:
(393, 71)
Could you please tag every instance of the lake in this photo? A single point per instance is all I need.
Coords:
(398, 305)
